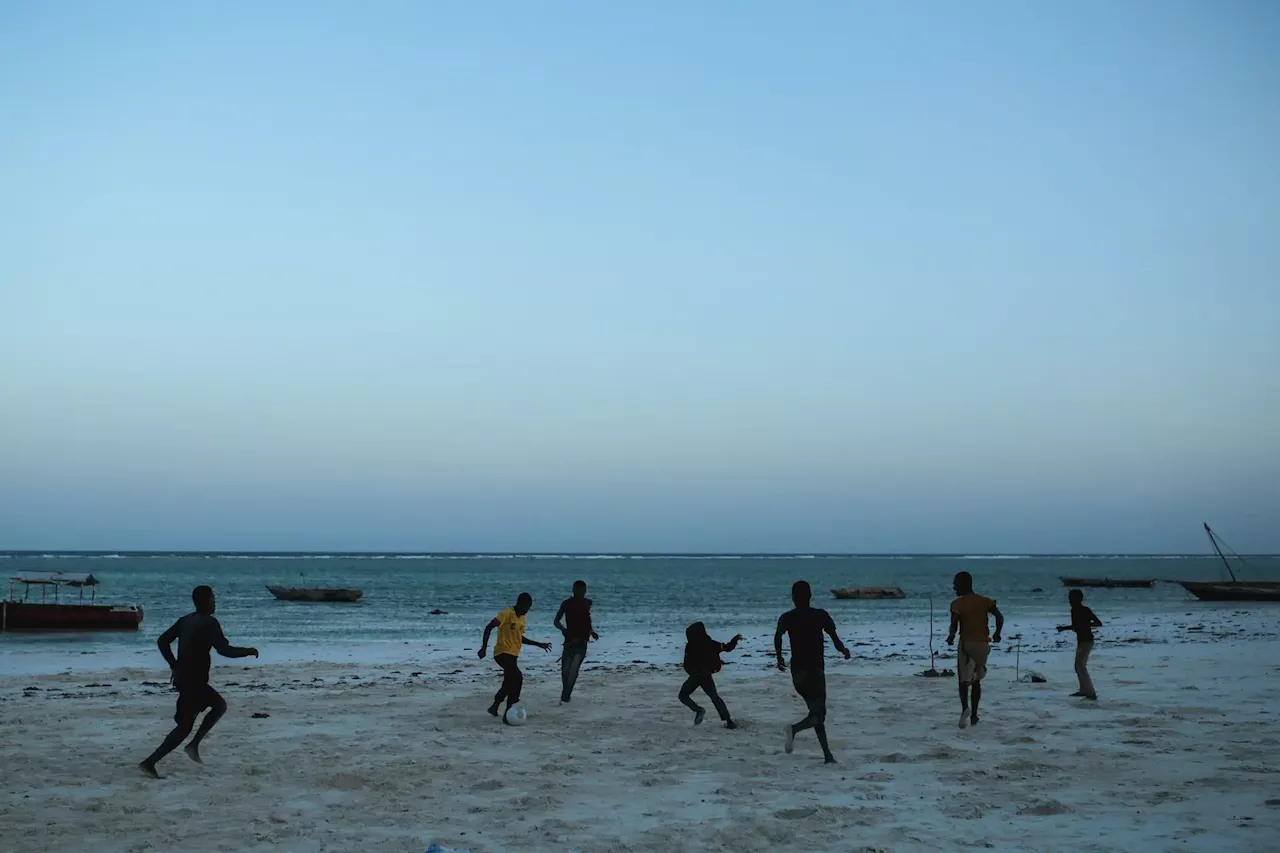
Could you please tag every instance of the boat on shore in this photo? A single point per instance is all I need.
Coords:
(868, 592)
(314, 593)
(1123, 583)
(1234, 589)
(23, 614)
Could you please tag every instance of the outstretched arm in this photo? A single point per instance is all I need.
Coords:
(732, 644)
(955, 626)
(488, 629)
(546, 647)
(777, 647)
(224, 648)
(995, 638)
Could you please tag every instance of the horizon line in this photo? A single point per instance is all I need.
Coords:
(108, 552)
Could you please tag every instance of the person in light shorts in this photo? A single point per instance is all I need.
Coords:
(971, 661)
(969, 617)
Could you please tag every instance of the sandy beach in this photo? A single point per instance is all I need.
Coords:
(1182, 752)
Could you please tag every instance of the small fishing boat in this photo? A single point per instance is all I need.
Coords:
(23, 614)
(1134, 583)
(1234, 589)
(314, 593)
(868, 592)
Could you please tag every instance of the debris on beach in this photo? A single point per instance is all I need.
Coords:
(1048, 807)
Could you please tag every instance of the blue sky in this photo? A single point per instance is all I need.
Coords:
(662, 277)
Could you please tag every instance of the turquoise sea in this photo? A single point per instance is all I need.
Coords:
(639, 597)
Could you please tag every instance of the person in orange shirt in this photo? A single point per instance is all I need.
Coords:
(969, 616)
(510, 624)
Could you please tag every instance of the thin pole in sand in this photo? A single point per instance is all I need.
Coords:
(1017, 657)
(931, 666)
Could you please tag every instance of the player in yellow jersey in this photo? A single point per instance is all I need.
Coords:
(510, 624)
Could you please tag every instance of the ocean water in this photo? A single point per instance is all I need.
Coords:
(641, 598)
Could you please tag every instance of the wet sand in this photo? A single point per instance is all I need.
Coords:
(1181, 752)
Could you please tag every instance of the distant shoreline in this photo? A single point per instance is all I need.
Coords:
(53, 553)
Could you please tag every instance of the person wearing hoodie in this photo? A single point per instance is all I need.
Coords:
(702, 662)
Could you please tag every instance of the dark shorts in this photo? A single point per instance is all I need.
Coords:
(812, 687)
(194, 700)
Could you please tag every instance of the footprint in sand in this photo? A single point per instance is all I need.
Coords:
(795, 814)
(939, 753)
(346, 782)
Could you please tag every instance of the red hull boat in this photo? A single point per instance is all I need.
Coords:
(44, 615)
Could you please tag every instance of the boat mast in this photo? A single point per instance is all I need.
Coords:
(1213, 539)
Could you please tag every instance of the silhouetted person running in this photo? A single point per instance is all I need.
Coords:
(702, 662)
(805, 626)
(969, 616)
(577, 630)
(1082, 622)
(197, 634)
(510, 625)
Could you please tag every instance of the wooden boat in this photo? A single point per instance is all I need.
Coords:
(869, 592)
(1235, 589)
(314, 593)
(23, 614)
(1110, 582)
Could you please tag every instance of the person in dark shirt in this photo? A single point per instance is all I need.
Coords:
(805, 626)
(574, 621)
(1082, 622)
(197, 634)
(702, 662)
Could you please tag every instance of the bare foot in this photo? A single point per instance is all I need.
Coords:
(193, 752)
(830, 759)
(148, 768)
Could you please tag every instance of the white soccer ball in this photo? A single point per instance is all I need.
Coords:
(515, 716)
